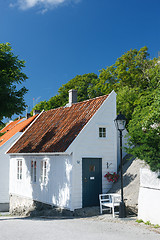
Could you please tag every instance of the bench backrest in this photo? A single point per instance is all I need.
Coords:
(109, 197)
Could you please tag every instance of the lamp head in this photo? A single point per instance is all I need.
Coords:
(120, 122)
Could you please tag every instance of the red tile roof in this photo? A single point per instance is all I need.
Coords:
(10, 125)
(14, 127)
(55, 130)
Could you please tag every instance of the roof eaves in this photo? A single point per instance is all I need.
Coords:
(40, 153)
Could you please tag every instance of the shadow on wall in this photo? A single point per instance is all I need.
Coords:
(128, 177)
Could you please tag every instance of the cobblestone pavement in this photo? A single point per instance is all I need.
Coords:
(102, 227)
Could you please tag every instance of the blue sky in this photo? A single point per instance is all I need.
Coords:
(60, 39)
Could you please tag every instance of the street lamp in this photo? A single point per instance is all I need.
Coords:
(120, 123)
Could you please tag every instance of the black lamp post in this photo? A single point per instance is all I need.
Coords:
(120, 123)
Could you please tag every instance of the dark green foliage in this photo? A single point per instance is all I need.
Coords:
(11, 98)
(144, 129)
(81, 83)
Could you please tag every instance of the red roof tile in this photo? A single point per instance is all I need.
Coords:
(55, 130)
(12, 129)
(10, 125)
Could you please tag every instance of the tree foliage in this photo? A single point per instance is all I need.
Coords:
(144, 129)
(11, 76)
(81, 83)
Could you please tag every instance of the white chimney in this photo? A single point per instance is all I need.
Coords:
(72, 96)
(36, 112)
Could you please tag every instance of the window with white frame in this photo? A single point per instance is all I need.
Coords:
(102, 132)
(19, 169)
(33, 171)
(43, 171)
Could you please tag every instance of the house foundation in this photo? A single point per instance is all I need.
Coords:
(22, 206)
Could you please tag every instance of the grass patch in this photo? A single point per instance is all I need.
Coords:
(139, 220)
(156, 226)
(148, 223)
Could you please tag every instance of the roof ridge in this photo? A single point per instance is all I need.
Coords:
(106, 95)
(90, 99)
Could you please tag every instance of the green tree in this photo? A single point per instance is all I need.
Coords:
(11, 75)
(130, 76)
(144, 129)
(81, 83)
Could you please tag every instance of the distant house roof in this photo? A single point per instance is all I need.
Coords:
(10, 125)
(12, 128)
(55, 130)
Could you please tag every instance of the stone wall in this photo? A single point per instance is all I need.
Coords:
(22, 206)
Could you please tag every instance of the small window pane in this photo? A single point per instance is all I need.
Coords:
(92, 168)
(33, 171)
(41, 171)
(100, 134)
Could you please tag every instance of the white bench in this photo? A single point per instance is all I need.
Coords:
(109, 202)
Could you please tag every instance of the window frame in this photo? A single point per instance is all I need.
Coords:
(19, 169)
(33, 171)
(102, 132)
(43, 171)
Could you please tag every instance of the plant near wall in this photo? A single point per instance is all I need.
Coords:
(111, 177)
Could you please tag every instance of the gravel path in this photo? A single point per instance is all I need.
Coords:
(102, 228)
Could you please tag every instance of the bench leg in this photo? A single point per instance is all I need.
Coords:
(100, 209)
(113, 211)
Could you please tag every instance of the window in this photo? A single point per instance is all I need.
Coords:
(33, 171)
(43, 171)
(19, 169)
(92, 168)
(102, 132)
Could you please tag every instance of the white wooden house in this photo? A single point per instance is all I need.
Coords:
(63, 156)
(11, 133)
